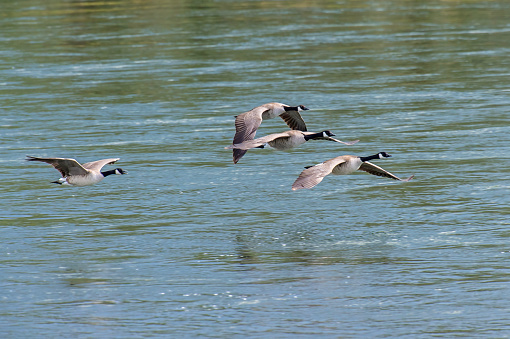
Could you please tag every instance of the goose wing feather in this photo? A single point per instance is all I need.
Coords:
(313, 175)
(66, 166)
(376, 170)
(294, 120)
(333, 139)
(249, 144)
(246, 127)
(97, 165)
(247, 124)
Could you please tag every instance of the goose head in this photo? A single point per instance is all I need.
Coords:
(295, 108)
(120, 171)
(302, 108)
(327, 134)
(384, 155)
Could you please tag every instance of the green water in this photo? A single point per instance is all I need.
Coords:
(189, 244)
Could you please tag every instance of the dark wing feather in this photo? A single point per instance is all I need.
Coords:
(65, 166)
(237, 154)
(294, 120)
(376, 170)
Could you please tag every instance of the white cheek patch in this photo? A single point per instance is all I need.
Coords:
(117, 172)
(381, 156)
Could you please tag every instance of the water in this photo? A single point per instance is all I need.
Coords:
(189, 244)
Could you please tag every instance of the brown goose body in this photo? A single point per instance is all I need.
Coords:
(247, 123)
(342, 165)
(287, 140)
(76, 174)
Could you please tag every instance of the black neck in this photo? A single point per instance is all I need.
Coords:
(107, 173)
(290, 108)
(370, 157)
(313, 136)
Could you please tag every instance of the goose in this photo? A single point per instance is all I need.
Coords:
(76, 174)
(287, 140)
(247, 123)
(345, 164)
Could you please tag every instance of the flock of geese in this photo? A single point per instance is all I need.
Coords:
(246, 124)
(76, 174)
(246, 127)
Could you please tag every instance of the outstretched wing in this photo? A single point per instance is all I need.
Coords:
(97, 165)
(376, 170)
(246, 128)
(313, 175)
(249, 144)
(66, 166)
(294, 120)
(349, 143)
(333, 139)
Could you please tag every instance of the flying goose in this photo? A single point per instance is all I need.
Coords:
(73, 173)
(287, 140)
(248, 122)
(345, 164)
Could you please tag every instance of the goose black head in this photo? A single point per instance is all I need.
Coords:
(120, 171)
(384, 155)
(327, 134)
(295, 108)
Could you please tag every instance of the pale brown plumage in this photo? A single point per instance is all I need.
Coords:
(247, 123)
(342, 165)
(287, 140)
(74, 173)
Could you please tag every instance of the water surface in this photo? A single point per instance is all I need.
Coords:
(189, 244)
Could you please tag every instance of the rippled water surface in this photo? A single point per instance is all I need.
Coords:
(189, 244)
